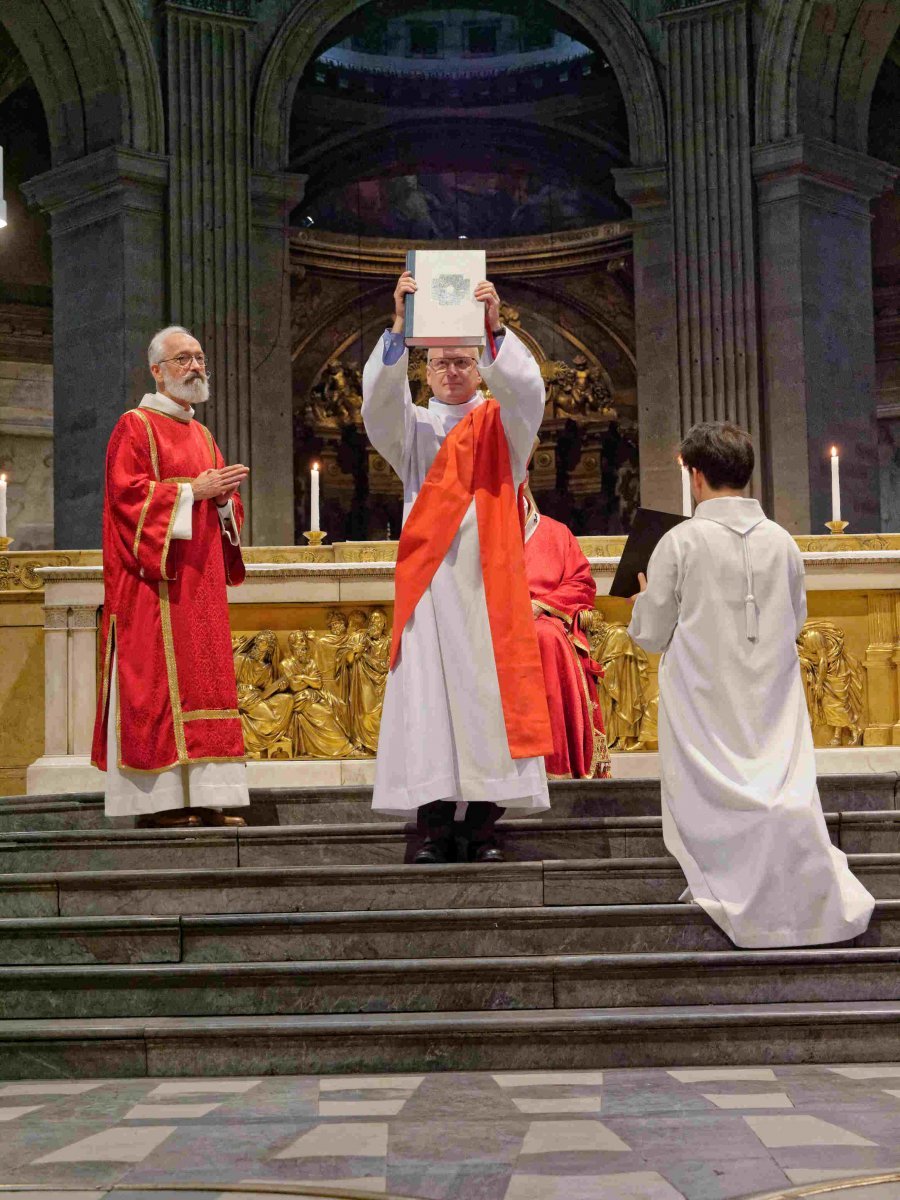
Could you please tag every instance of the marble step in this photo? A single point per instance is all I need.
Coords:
(525, 840)
(557, 1039)
(352, 804)
(451, 985)
(384, 935)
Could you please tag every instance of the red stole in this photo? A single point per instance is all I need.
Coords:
(474, 461)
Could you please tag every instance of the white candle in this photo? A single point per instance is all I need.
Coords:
(314, 499)
(2, 506)
(686, 509)
(835, 486)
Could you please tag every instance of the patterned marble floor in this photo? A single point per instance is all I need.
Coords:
(698, 1134)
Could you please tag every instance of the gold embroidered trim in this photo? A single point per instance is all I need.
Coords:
(163, 563)
(143, 517)
(178, 479)
(148, 425)
(210, 442)
(107, 658)
(172, 671)
(553, 612)
(190, 762)
(599, 750)
(185, 420)
(211, 714)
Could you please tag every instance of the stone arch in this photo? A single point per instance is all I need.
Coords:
(818, 66)
(94, 68)
(607, 22)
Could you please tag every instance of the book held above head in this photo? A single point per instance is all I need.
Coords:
(443, 310)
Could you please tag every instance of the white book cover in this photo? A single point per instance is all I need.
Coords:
(443, 310)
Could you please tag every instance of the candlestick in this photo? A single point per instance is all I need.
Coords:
(2, 506)
(835, 486)
(686, 508)
(314, 498)
(836, 526)
(315, 537)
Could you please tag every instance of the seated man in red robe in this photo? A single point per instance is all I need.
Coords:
(562, 587)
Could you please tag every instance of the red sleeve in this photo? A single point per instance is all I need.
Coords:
(565, 586)
(141, 509)
(235, 571)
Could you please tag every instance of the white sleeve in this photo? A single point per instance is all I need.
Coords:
(184, 508)
(387, 408)
(226, 520)
(515, 381)
(655, 612)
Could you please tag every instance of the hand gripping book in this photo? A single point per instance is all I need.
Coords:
(444, 311)
(648, 526)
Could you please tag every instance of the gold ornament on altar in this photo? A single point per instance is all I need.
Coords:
(628, 702)
(833, 682)
(320, 698)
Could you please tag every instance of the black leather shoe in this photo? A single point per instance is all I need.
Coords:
(489, 854)
(432, 852)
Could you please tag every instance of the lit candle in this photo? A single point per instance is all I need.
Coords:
(685, 490)
(835, 486)
(2, 506)
(314, 499)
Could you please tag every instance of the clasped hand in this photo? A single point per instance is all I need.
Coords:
(219, 483)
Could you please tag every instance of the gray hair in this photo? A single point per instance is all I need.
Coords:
(155, 349)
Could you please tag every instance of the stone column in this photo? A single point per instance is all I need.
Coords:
(106, 215)
(208, 111)
(818, 354)
(82, 678)
(708, 56)
(271, 485)
(56, 680)
(660, 424)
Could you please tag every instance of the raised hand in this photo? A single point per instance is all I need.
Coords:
(406, 285)
(486, 293)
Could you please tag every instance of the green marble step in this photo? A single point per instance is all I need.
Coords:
(345, 936)
(352, 804)
(557, 1039)
(451, 985)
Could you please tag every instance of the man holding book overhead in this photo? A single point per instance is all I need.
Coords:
(724, 599)
(465, 724)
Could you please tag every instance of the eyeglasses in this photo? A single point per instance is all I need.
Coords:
(443, 365)
(185, 360)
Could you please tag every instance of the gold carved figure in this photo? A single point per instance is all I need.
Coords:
(629, 706)
(369, 657)
(316, 730)
(264, 708)
(833, 682)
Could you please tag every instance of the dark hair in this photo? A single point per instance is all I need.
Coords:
(721, 451)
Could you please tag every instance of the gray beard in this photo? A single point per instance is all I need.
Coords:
(195, 391)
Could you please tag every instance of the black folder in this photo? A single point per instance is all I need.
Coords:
(647, 528)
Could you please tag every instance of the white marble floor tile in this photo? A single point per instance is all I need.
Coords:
(53, 1088)
(365, 1183)
(802, 1130)
(43, 1194)
(12, 1114)
(885, 1071)
(749, 1099)
(723, 1074)
(361, 1108)
(557, 1137)
(567, 1104)
(891, 1092)
(199, 1087)
(365, 1083)
(128, 1144)
(363, 1139)
(632, 1185)
(549, 1078)
(169, 1112)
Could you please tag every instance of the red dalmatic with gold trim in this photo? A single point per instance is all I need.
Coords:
(560, 582)
(165, 614)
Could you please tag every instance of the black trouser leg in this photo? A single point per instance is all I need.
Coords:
(434, 824)
(478, 824)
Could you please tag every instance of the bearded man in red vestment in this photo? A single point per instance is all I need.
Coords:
(562, 587)
(167, 732)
